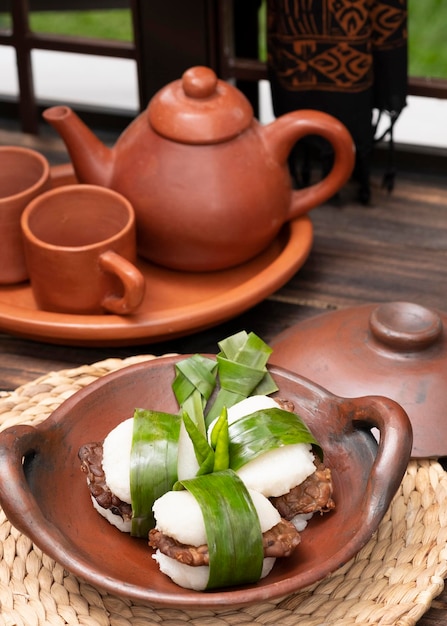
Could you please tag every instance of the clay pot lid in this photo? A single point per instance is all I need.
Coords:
(199, 109)
(396, 349)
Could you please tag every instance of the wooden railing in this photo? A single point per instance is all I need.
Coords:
(24, 40)
(168, 37)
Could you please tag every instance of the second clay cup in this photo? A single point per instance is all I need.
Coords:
(24, 174)
(80, 249)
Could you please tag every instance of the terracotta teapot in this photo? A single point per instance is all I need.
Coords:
(209, 184)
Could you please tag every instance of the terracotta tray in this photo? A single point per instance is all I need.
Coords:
(176, 303)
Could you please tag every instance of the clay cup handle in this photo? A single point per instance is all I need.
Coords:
(131, 278)
(282, 134)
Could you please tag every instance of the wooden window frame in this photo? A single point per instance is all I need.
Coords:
(168, 37)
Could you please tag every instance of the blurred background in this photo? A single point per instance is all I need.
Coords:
(111, 82)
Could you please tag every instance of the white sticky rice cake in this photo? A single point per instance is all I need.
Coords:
(273, 473)
(178, 515)
(116, 466)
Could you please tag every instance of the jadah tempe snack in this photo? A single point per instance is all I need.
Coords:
(233, 463)
(217, 533)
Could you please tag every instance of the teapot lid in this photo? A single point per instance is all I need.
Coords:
(395, 349)
(199, 109)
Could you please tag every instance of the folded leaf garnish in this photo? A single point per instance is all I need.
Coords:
(202, 449)
(242, 371)
(213, 455)
(232, 527)
(153, 464)
(193, 385)
(266, 430)
(220, 441)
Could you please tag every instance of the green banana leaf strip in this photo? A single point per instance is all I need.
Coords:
(266, 386)
(239, 378)
(232, 528)
(193, 406)
(211, 456)
(202, 449)
(195, 372)
(224, 399)
(220, 441)
(246, 348)
(266, 430)
(195, 380)
(153, 464)
(241, 371)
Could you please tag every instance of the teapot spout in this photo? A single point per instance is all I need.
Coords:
(92, 160)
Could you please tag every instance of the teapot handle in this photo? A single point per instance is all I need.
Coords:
(281, 135)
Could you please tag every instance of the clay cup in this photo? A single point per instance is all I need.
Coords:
(24, 174)
(80, 249)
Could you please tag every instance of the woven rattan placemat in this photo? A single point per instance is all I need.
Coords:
(392, 580)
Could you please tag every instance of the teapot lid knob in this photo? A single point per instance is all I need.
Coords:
(199, 82)
(199, 109)
(405, 326)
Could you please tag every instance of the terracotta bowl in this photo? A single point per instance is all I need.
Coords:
(44, 493)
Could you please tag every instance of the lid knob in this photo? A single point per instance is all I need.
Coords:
(405, 326)
(199, 108)
(199, 82)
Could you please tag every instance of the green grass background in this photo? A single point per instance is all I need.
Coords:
(427, 45)
(426, 27)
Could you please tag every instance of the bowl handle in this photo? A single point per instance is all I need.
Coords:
(17, 443)
(394, 446)
(18, 503)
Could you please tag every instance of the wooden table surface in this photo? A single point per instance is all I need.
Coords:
(395, 249)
